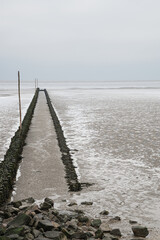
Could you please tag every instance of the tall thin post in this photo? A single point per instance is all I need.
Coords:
(19, 96)
(35, 84)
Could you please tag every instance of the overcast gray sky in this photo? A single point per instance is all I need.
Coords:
(80, 39)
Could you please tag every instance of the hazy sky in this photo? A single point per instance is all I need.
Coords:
(80, 39)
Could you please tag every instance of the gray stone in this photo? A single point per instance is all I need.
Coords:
(79, 235)
(105, 227)
(54, 235)
(45, 224)
(72, 204)
(29, 200)
(14, 236)
(17, 204)
(50, 201)
(87, 203)
(132, 222)
(18, 230)
(42, 238)
(45, 206)
(116, 232)
(99, 234)
(83, 219)
(21, 219)
(4, 238)
(36, 233)
(104, 212)
(29, 236)
(140, 231)
(107, 238)
(96, 223)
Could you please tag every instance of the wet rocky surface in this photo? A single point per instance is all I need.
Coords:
(25, 220)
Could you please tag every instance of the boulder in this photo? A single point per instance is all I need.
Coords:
(21, 219)
(54, 235)
(116, 232)
(99, 234)
(140, 231)
(45, 206)
(83, 219)
(18, 230)
(105, 227)
(50, 201)
(45, 224)
(96, 223)
(4, 238)
(79, 235)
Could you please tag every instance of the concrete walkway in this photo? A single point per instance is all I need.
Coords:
(41, 172)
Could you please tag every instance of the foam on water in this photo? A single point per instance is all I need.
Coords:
(116, 133)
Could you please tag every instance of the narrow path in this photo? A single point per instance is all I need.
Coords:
(41, 171)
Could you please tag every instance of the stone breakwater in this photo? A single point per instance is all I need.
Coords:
(71, 175)
(24, 220)
(12, 158)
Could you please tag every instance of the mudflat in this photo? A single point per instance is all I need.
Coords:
(41, 171)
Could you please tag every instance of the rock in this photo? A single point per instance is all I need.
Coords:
(54, 235)
(50, 201)
(36, 233)
(79, 235)
(42, 238)
(107, 238)
(83, 219)
(99, 234)
(29, 236)
(72, 224)
(116, 232)
(45, 206)
(132, 222)
(29, 200)
(96, 223)
(4, 238)
(87, 203)
(140, 231)
(117, 218)
(67, 233)
(79, 211)
(18, 230)
(105, 227)
(72, 204)
(55, 225)
(21, 219)
(13, 236)
(17, 204)
(104, 212)
(45, 224)
(2, 230)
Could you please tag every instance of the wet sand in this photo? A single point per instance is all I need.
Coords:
(41, 172)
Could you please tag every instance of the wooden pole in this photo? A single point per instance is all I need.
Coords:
(35, 84)
(19, 96)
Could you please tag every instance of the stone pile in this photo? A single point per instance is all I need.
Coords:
(25, 220)
(8, 167)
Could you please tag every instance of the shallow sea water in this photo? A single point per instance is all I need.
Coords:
(117, 135)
